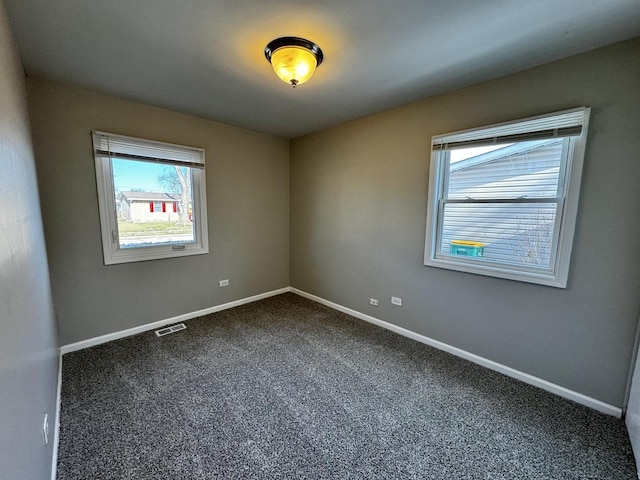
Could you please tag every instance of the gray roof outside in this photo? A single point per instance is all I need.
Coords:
(508, 149)
(148, 196)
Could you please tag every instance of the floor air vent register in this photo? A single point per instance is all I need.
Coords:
(171, 329)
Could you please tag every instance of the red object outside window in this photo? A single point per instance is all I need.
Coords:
(151, 207)
(164, 207)
(175, 207)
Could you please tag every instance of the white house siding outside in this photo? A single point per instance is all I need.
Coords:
(513, 233)
(137, 207)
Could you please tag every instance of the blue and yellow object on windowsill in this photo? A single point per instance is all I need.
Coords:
(466, 248)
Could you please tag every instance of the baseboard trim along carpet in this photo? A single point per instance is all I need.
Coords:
(458, 352)
(72, 347)
(56, 425)
(484, 362)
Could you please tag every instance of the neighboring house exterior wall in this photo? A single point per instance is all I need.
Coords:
(125, 210)
(140, 211)
(148, 207)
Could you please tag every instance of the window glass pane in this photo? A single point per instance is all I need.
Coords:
(518, 170)
(145, 194)
(514, 233)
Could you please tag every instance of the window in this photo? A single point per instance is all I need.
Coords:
(152, 199)
(503, 199)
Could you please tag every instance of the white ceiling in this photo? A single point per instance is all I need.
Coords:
(205, 57)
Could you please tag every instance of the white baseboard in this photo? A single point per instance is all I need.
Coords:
(56, 427)
(458, 352)
(72, 347)
(490, 364)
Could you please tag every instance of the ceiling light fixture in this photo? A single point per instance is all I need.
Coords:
(293, 59)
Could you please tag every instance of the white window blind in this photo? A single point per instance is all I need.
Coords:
(564, 124)
(110, 145)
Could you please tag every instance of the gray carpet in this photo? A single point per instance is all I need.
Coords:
(285, 388)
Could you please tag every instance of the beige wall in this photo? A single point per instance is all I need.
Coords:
(358, 209)
(247, 204)
(28, 343)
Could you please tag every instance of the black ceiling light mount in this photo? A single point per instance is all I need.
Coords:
(294, 59)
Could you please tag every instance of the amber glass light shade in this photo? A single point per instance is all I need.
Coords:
(293, 65)
(293, 59)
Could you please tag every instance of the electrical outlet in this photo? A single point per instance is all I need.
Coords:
(396, 301)
(45, 429)
(224, 283)
(373, 301)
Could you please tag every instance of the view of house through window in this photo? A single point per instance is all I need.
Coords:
(152, 198)
(503, 198)
(153, 203)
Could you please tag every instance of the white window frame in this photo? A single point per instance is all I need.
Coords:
(558, 124)
(107, 146)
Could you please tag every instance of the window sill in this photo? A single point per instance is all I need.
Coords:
(499, 271)
(151, 253)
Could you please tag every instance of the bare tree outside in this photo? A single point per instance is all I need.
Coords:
(533, 244)
(178, 180)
